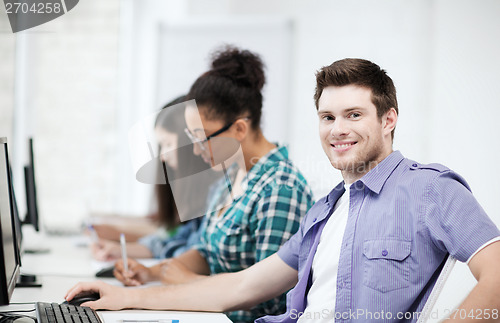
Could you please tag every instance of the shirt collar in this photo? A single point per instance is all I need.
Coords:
(334, 194)
(376, 178)
(264, 164)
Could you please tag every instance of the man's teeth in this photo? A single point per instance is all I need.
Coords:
(343, 145)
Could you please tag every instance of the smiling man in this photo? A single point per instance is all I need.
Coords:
(374, 252)
(372, 249)
(350, 129)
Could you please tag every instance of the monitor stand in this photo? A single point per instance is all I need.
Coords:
(33, 241)
(26, 280)
(36, 250)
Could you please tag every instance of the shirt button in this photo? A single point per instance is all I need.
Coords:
(415, 165)
(385, 253)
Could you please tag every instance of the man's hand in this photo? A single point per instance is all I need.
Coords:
(111, 297)
(217, 293)
(136, 275)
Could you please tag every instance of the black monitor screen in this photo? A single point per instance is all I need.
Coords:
(16, 220)
(31, 200)
(9, 260)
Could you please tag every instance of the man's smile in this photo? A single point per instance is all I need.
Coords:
(343, 145)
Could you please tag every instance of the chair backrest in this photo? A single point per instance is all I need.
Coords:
(438, 287)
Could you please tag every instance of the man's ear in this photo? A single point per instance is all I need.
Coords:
(389, 120)
(241, 129)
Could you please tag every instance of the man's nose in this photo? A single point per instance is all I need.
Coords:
(339, 128)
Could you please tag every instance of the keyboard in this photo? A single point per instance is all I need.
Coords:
(65, 313)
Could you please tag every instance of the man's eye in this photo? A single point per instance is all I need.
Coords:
(327, 118)
(355, 115)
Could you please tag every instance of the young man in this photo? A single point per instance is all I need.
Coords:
(370, 250)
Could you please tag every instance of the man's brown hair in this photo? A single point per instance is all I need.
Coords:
(360, 72)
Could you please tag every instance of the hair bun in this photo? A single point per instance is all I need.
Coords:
(241, 66)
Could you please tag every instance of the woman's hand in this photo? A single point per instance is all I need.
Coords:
(137, 274)
(172, 271)
(106, 250)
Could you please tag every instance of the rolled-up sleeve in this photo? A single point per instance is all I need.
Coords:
(457, 223)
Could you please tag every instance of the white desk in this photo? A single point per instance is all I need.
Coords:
(68, 262)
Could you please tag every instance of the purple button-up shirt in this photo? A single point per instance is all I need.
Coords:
(404, 219)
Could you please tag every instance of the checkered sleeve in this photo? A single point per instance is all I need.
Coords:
(198, 242)
(280, 210)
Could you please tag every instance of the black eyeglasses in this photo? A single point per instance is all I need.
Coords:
(201, 142)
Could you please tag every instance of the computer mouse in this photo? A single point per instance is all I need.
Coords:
(18, 319)
(23, 319)
(106, 272)
(82, 298)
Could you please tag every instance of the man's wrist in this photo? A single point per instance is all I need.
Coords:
(132, 298)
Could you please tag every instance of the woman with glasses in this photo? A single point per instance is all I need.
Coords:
(261, 198)
(173, 237)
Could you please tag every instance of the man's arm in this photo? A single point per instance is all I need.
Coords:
(223, 292)
(484, 300)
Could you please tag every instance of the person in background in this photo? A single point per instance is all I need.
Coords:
(373, 248)
(173, 237)
(267, 198)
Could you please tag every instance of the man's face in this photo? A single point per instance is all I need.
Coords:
(353, 137)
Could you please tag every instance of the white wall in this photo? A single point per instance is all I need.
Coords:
(465, 108)
(7, 73)
(465, 96)
(66, 91)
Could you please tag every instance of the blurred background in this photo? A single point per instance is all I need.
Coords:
(77, 85)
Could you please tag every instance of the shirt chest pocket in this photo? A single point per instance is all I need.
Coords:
(386, 264)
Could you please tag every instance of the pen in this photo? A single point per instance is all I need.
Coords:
(124, 252)
(93, 233)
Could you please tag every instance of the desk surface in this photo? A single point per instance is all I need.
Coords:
(68, 262)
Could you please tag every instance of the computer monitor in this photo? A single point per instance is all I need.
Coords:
(15, 217)
(30, 184)
(9, 253)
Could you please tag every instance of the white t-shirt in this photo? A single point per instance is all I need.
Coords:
(321, 297)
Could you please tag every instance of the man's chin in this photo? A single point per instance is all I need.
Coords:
(351, 167)
(343, 165)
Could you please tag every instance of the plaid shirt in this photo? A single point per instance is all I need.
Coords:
(275, 198)
(164, 244)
